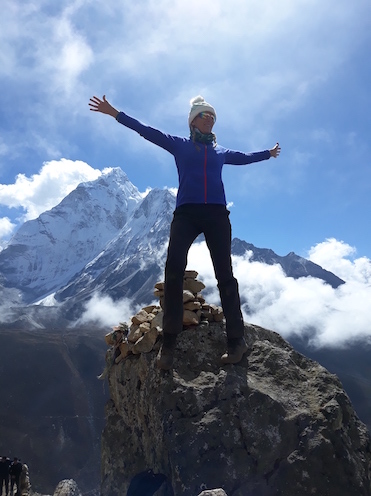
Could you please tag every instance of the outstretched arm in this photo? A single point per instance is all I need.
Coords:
(103, 106)
(149, 133)
(275, 151)
(241, 158)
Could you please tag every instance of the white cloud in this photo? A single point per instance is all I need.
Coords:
(44, 190)
(333, 317)
(55, 52)
(62, 45)
(146, 51)
(6, 228)
(105, 311)
(67, 56)
(173, 191)
(339, 257)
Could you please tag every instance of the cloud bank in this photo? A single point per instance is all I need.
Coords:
(305, 306)
(106, 312)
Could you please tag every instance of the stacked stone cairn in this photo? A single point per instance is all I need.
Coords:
(146, 326)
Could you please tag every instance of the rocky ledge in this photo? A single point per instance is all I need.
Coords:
(275, 424)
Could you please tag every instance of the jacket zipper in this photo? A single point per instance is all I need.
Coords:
(205, 177)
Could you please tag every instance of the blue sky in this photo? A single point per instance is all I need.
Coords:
(293, 72)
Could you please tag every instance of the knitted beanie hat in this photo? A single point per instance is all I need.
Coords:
(199, 105)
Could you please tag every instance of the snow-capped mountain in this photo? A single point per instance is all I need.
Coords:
(132, 262)
(47, 252)
(107, 238)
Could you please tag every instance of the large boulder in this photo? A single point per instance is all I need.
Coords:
(67, 487)
(276, 424)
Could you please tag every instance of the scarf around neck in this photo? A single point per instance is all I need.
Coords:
(199, 137)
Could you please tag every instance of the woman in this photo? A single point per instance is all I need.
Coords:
(200, 208)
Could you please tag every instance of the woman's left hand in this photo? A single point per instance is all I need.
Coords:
(275, 151)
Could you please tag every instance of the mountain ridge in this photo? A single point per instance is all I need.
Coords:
(106, 237)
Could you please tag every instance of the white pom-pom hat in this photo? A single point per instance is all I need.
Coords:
(199, 105)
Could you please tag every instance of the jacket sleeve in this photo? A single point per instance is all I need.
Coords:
(165, 141)
(239, 158)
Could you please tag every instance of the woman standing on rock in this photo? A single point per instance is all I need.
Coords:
(200, 208)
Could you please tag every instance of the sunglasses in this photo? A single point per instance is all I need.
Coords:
(206, 115)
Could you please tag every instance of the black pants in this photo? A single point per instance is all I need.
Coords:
(15, 481)
(188, 222)
(4, 480)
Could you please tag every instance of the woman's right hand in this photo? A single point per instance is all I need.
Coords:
(103, 106)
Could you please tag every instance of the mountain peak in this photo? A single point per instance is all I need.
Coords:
(116, 178)
(46, 252)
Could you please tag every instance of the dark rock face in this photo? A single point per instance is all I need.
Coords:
(145, 483)
(275, 424)
(52, 405)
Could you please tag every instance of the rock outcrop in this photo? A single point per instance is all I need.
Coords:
(67, 487)
(276, 424)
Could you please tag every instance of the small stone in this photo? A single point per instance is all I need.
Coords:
(187, 296)
(140, 317)
(109, 339)
(149, 308)
(193, 285)
(157, 321)
(145, 327)
(134, 334)
(192, 305)
(190, 274)
(114, 336)
(158, 294)
(200, 298)
(218, 316)
(146, 342)
(190, 318)
(206, 315)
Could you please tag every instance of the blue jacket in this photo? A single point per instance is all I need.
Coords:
(199, 165)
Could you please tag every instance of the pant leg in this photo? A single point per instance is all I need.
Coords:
(183, 232)
(18, 482)
(218, 236)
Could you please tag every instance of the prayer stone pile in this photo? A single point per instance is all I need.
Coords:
(145, 327)
(194, 305)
